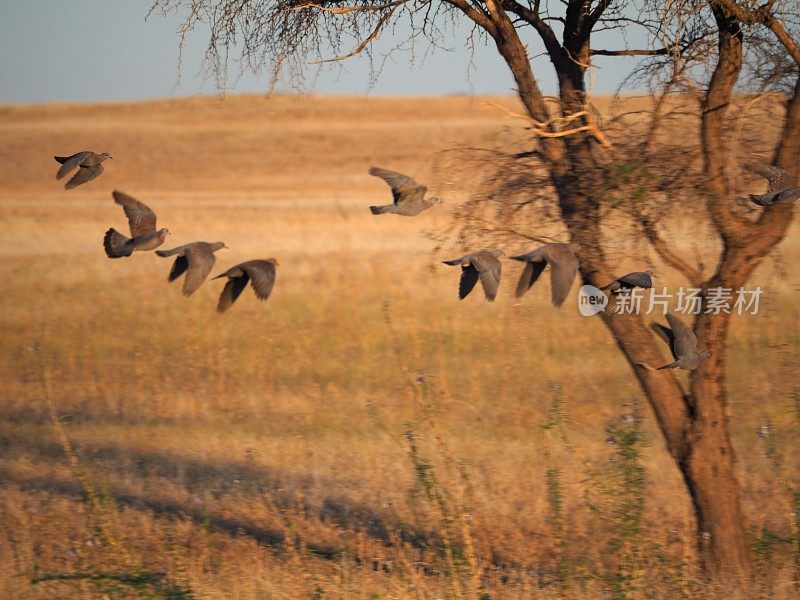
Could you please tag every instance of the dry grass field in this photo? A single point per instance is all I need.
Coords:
(363, 434)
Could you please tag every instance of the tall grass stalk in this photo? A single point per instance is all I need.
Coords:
(790, 497)
(626, 490)
(554, 427)
(125, 572)
(453, 506)
(102, 509)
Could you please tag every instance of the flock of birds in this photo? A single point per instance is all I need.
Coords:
(196, 259)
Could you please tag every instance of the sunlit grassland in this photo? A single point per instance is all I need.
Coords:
(217, 437)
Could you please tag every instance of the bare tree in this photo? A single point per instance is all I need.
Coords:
(700, 47)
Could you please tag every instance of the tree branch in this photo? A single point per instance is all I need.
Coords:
(477, 16)
(783, 37)
(669, 257)
(595, 15)
(364, 43)
(535, 20)
(719, 203)
(514, 52)
(764, 16)
(343, 10)
(658, 52)
(547, 129)
(492, 226)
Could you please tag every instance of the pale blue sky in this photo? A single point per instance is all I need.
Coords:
(90, 50)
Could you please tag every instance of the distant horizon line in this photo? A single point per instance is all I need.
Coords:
(285, 94)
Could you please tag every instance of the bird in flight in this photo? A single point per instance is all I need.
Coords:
(260, 272)
(563, 268)
(89, 167)
(409, 196)
(142, 223)
(682, 343)
(196, 260)
(482, 266)
(779, 188)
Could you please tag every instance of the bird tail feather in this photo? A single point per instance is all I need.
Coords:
(379, 210)
(672, 365)
(116, 244)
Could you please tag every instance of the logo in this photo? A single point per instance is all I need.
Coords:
(591, 300)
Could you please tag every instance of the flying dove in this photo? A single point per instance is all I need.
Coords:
(260, 272)
(481, 265)
(88, 164)
(196, 260)
(779, 190)
(142, 223)
(682, 343)
(624, 284)
(409, 196)
(563, 268)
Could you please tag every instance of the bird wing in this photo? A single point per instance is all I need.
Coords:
(200, 260)
(789, 195)
(262, 274)
(779, 179)
(178, 268)
(490, 280)
(84, 175)
(665, 333)
(483, 260)
(636, 279)
(469, 277)
(685, 339)
(529, 275)
(232, 290)
(69, 162)
(402, 185)
(563, 268)
(140, 218)
(489, 269)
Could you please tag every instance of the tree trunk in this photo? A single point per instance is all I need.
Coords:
(698, 440)
(694, 424)
(709, 466)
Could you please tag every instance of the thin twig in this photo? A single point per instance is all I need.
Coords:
(371, 37)
(343, 10)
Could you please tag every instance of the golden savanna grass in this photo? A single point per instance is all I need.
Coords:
(363, 434)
